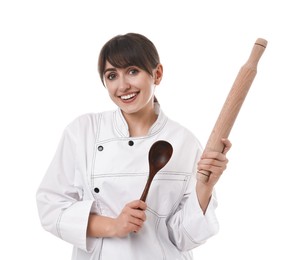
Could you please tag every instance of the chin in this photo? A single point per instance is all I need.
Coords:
(129, 111)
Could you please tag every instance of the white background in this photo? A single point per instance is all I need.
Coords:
(48, 76)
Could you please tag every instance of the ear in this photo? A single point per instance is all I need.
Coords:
(158, 74)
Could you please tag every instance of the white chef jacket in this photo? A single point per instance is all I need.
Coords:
(99, 168)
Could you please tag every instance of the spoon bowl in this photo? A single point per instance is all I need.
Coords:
(158, 156)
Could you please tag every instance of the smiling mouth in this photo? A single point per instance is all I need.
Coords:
(129, 96)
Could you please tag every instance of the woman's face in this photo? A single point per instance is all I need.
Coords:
(131, 88)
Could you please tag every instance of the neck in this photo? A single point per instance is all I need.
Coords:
(139, 123)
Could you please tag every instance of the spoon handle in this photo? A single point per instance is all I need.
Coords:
(146, 189)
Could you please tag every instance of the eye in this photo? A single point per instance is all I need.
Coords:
(111, 76)
(133, 71)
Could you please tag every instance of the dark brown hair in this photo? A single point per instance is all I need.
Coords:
(131, 49)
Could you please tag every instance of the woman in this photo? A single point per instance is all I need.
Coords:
(90, 194)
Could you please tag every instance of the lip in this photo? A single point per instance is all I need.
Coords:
(130, 100)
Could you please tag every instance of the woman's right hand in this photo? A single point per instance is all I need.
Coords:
(131, 218)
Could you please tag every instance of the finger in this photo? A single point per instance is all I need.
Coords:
(136, 228)
(139, 214)
(212, 162)
(141, 205)
(137, 204)
(136, 222)
(214, 166)
(213, 156)
(227, 145)
(212, 169)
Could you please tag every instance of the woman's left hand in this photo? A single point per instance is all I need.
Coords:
(215, 163)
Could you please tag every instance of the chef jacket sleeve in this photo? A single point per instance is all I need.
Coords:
(62, 209)
(189, 227)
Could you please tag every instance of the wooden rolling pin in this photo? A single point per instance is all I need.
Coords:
(233, 103)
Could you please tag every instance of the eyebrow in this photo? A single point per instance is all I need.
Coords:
(109, 69)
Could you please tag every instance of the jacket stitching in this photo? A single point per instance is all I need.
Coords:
(116, 127)
(58, 227)
(94, 159)
(94, 151)
(115, 123)
(158, 238)
(160, 176)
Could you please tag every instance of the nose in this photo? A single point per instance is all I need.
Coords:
(124, 84)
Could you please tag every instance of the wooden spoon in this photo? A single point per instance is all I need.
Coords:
(158, 156)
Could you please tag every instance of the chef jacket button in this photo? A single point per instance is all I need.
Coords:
(96, 190)
(100, 148)
(131, 143)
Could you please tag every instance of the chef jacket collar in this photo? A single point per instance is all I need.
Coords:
(122, 126)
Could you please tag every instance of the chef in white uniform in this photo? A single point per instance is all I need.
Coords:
(90, 194)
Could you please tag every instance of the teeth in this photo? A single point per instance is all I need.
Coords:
(128, 96)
